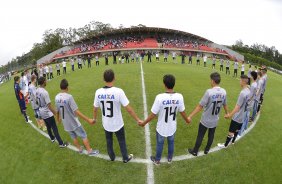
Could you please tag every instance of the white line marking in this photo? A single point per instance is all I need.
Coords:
(106, 157)
(148, 161)
(150, 169)
(216, 148)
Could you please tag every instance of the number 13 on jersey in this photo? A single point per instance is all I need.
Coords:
(107, 105)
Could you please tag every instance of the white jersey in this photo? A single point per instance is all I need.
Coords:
(109, 99)
(46, 69)
(243, 68)
(58, 66)
(166, 105)
(24, 85)
(205, 58)
(40, 72)
(227, 63)
(157, 55)
(50, 69)
(64, 64)
(71, 61)
(79, 61)
(236, 65)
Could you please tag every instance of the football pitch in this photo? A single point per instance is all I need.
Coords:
(28, 157)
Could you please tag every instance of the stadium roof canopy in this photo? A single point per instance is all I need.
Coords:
(144, 30)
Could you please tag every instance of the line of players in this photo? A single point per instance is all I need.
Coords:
(47, 70)
(166, 106)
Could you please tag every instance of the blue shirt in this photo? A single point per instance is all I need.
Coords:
(18, 93)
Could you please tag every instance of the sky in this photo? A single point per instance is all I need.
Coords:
(253, 21)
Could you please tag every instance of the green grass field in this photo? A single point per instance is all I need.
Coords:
(28, 157)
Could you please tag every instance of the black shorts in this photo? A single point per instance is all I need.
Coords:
(235, 70)
(198, 60)
(227, 68)
(234, 126)
(213, 64)
(173, 58)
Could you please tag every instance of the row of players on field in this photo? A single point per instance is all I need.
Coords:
(47, 70)
(166, 106)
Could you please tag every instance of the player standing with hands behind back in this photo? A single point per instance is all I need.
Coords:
(166, 105)
(109, 99)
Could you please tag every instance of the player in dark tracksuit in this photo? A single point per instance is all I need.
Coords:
(21, 98)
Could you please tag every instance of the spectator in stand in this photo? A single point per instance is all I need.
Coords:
(149, 56)
(64, 63)
(51, 71)
(58, 69)
(97, 60)
(89, 61)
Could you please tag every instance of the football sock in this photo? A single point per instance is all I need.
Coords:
(25, 116)
(235, 136)
(228, 139)
(258, 108)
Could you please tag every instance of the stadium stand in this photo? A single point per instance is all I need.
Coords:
(143, 38)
